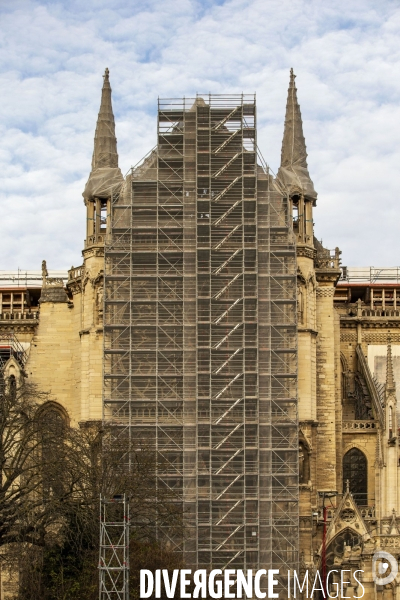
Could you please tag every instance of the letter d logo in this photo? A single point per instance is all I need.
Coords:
(378, 570)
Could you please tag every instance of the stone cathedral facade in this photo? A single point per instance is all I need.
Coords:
(348, 374)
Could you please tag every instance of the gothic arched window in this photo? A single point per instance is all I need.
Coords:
(335, 550)
(355, 471)
(12, 387)
(55, 421)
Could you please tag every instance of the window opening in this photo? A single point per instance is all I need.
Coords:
(355, 471)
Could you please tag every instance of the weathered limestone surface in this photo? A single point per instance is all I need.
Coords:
(326, 386)
(50, 364)
(307, 334)
(91, 335)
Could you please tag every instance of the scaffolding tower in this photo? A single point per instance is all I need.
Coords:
(114, 548)
(200, 332)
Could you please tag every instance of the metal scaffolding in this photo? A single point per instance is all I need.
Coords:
(11, 347)
(114, 548)
(200, 332)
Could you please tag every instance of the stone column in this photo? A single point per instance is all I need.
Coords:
(91, 334)
(326, 384)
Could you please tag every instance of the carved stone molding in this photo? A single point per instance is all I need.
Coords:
(348, 324)
(95, 281)
(305, 522)
(22, 327)
(392, 541)
(53, 282)
(370, 322)
(379, 337)
(359, 426)
(99, 278)
(300, 275)
(348, 337)
(301, 329)
(325, 292)
(380, 325)
(74, 284)
(347, 515)
(306, 251)
(331, 275)
(74, 287)
(311, 281)
(305, 434)
(93, 251)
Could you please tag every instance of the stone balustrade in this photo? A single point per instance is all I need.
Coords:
(19, 316)
(328, 259)
(387, 312)
(362, 312)
(75, 273)
(367, 512)
(364, 425)
(95, 239)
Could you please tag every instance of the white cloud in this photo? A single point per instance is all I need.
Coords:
(346, 56)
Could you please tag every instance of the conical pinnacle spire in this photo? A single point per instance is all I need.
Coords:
(293, 172)
(293, 144)
(105, 143)
(105, 175)
(390, 383)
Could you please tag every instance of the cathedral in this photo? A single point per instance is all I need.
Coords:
(208, 320)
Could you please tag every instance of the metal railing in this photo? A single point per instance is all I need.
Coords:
(370, 275)
(22, 278)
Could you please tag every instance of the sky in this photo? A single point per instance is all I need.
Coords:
(346, 57)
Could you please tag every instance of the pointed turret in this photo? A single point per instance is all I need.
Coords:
(105, 175)
(390, 488)
(105, 143)
(293, 172)
(390, 383)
